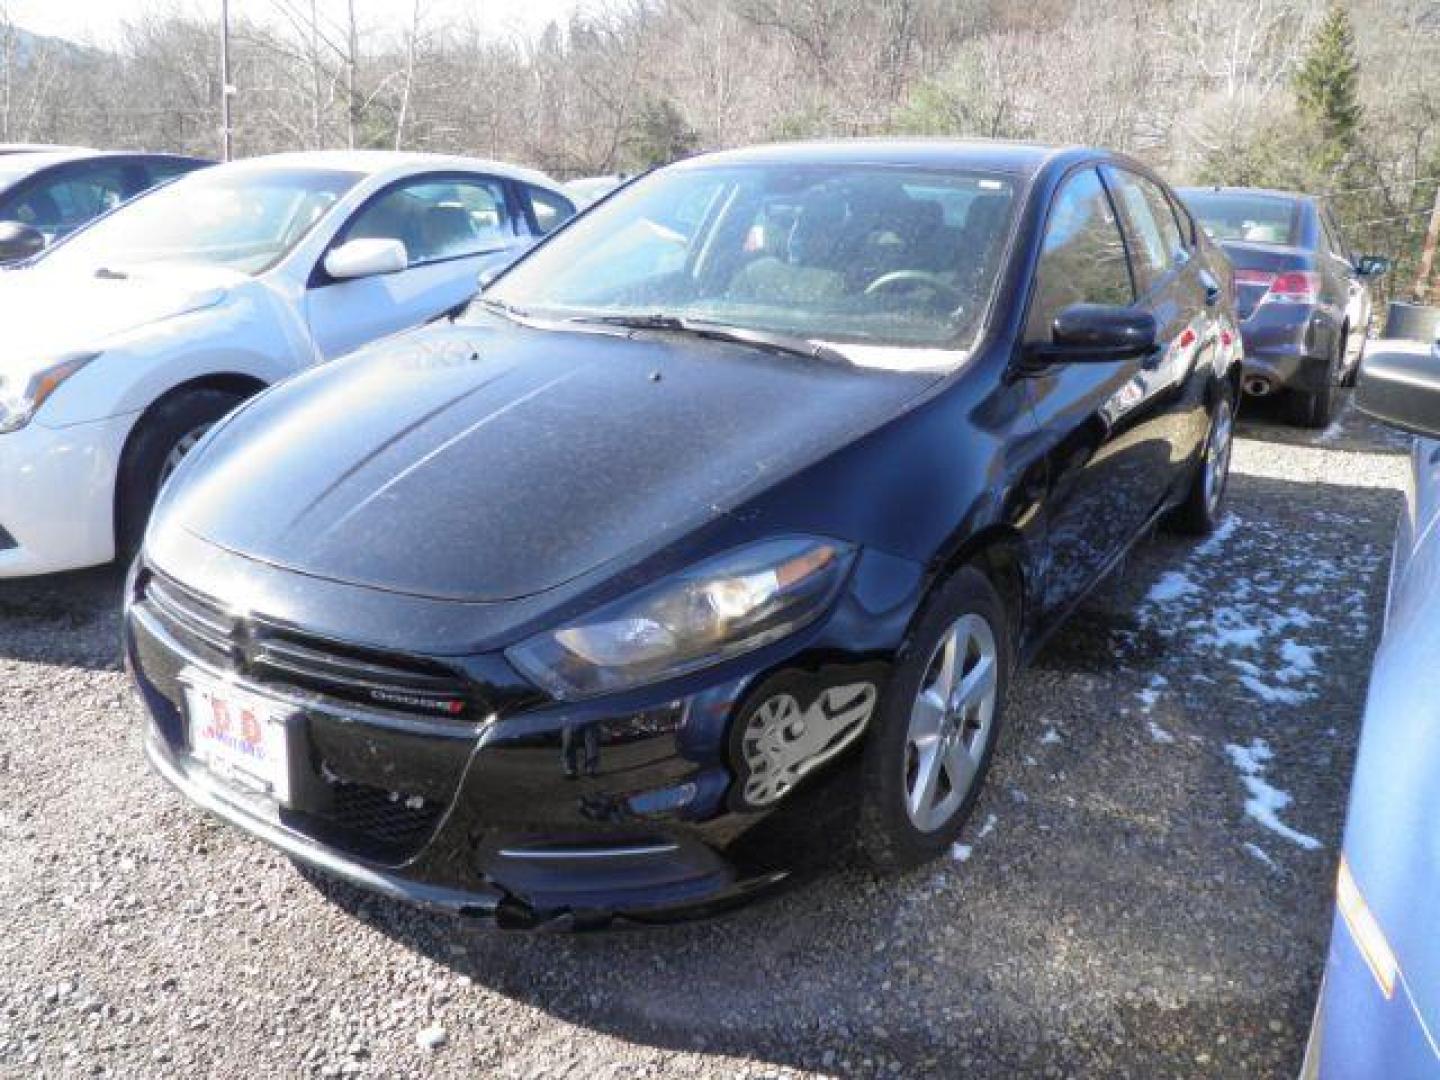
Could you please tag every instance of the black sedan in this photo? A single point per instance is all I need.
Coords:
(1303, 297)
(708, 538)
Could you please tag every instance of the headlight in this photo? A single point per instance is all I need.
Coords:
(715, 610)
(22, 396)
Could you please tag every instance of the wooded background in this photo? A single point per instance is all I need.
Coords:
(1342, 99)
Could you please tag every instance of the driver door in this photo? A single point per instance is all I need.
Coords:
(453, 227)
(1102, 423)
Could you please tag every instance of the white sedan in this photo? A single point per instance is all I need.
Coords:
(125, 343)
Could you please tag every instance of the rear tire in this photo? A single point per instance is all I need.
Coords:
(153, 450)
(1200, 512)
(1353, 371)
(935, 733)
(1316, 410)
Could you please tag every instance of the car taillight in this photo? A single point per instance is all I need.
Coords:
(1290, 287)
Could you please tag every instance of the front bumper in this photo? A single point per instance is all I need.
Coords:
(57, 496)
(533, 813)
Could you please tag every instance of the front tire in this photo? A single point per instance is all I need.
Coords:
(163, 437)
(927, 756)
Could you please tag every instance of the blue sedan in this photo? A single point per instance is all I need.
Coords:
(1379, 1010)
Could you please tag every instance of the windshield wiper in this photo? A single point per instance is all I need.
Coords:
(771, 340)
(500, 307)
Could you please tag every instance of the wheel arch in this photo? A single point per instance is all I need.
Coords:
(226, 381)
(999, 552)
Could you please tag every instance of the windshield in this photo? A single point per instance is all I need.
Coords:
(1255, 219)
(245, 219)
(875, 255)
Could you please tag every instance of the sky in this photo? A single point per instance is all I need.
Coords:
(97, 22)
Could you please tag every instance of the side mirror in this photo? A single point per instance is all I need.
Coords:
(1401, 387)
(19, 241)
(1098, 333)
(1372, 266)
(366, 258)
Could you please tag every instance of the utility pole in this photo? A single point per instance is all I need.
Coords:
(1427, 252)
(351, 60)
(226, 90)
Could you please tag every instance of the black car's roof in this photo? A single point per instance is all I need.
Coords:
(1020, 158)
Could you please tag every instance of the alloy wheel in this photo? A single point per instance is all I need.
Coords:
(182, 446)
(951, 723)
(1217, 455)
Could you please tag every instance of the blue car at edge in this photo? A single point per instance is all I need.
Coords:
(1379, 1008)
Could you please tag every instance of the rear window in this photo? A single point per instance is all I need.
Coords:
(1255, 219)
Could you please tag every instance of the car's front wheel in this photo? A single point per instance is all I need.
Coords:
(929, 752)
(165, 435)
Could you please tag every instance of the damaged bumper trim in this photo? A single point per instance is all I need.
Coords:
(481, 901)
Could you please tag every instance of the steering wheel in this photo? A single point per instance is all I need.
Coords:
(899, 279)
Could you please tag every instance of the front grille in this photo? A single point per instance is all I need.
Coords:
(268, 654)
(392, 821)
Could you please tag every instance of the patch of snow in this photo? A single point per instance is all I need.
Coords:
(961, 852)
(1265, 801)
(1050, 736)
(1336, 427)
(1220, 537)
(1171, 587)
(1273, 695)
(987, 828)
(1159, 734)
(1151, 694)
(1230, 628)
(1259, 853)
(1300, 658)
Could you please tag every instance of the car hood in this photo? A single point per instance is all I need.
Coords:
(47, 313)
(494, 462)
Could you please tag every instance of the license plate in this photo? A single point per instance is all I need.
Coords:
(238, 736)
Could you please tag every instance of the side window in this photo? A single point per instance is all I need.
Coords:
(550, 210)
(1153, 229)
(58, 205)
(438, 219)
(1333, 236)
(1082, 259)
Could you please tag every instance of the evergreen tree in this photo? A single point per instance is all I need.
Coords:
(660, 134)
(1327, 89)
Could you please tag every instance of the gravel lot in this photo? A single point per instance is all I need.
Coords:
(1115, 910)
